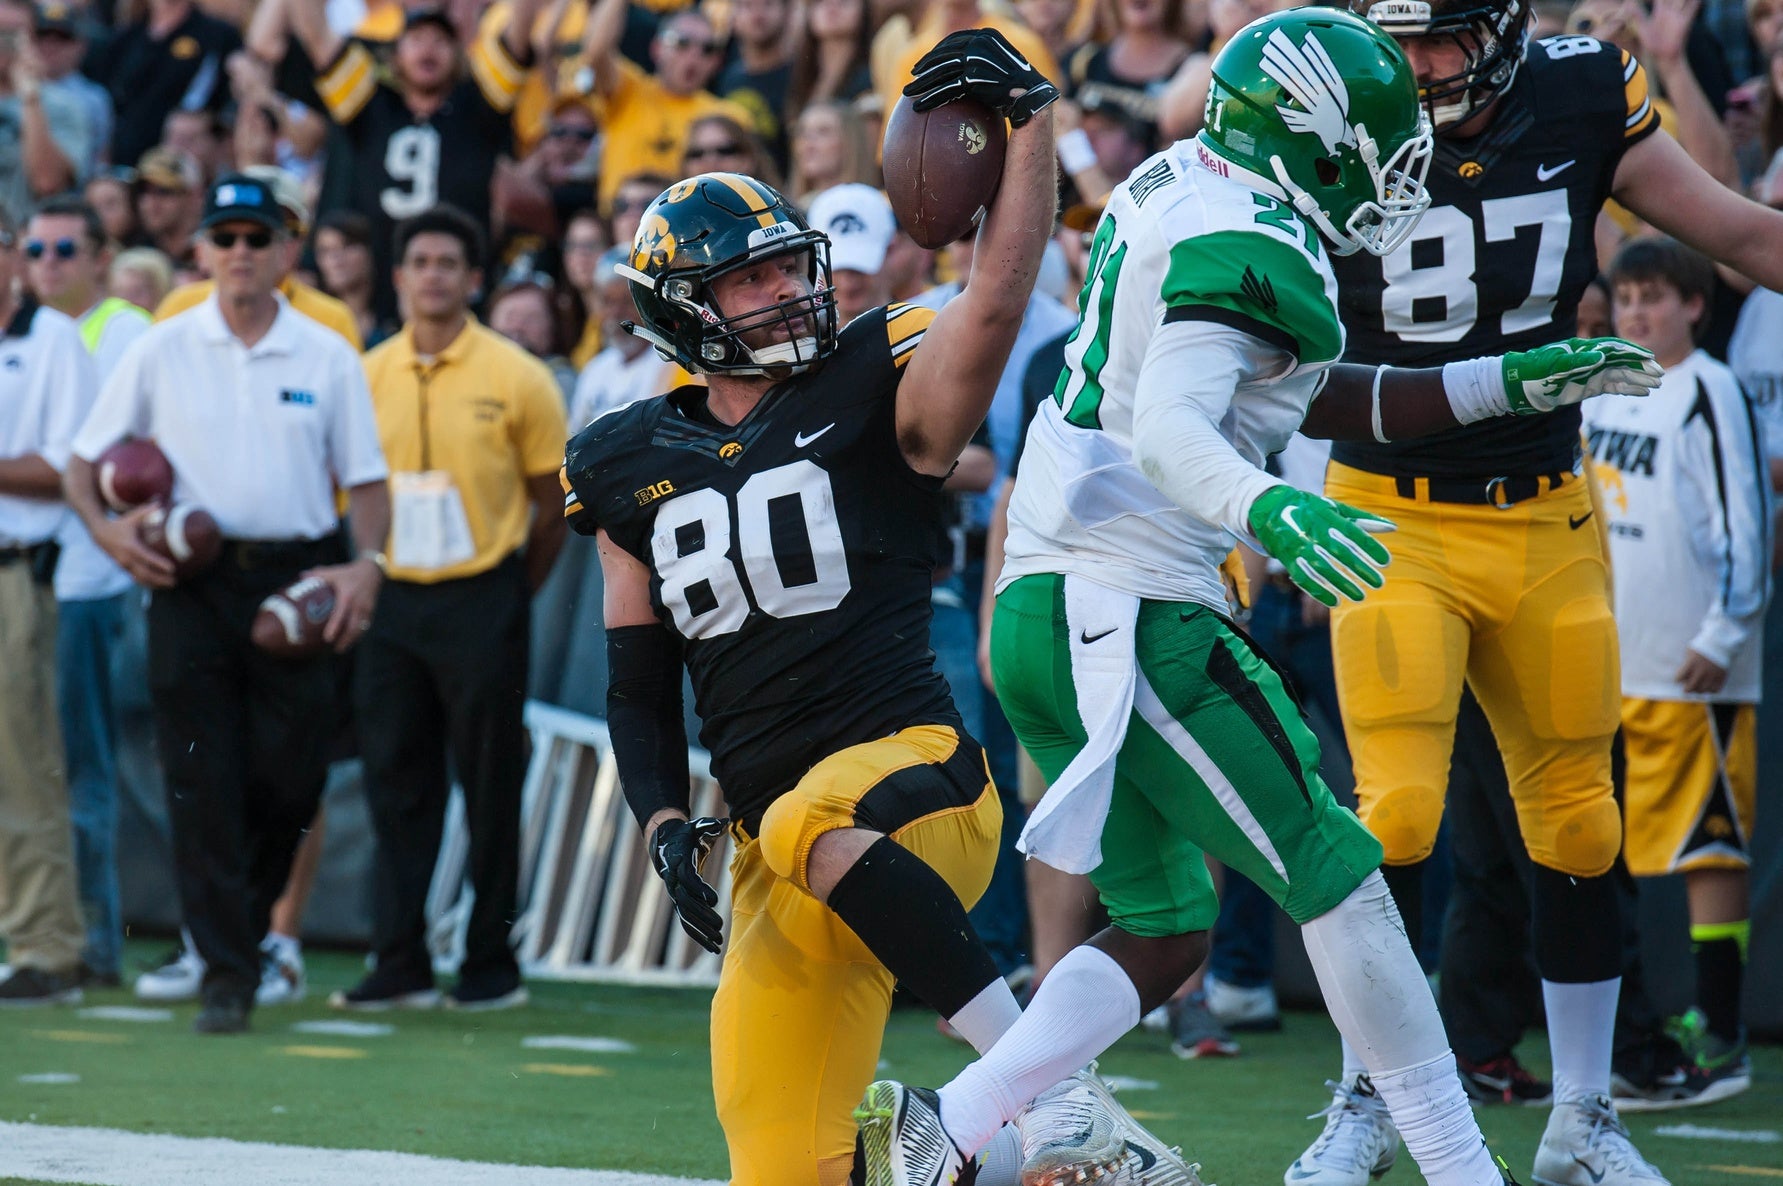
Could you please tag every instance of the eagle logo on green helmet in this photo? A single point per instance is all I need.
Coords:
(1307, 73)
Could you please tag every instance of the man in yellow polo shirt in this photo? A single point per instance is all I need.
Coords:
(473, 429)
(311, 302)
(646, 116)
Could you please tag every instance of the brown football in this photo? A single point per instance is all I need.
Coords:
(942, 168)
(133, 472)
(289, 623)
(185, 534)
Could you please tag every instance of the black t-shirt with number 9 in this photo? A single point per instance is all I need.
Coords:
(794, 552)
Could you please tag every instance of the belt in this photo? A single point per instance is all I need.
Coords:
(1503, 493)
(14, 553)
(250, 554)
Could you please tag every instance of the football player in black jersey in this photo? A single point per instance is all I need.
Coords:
(1499, 575)
(776, 531)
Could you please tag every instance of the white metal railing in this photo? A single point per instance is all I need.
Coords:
(591, 907)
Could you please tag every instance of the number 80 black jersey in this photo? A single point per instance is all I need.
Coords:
(1500, 260)
(794, 552)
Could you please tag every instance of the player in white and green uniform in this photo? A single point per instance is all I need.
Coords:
(1209, 335)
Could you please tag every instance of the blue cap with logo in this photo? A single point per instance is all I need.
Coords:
(239, 198)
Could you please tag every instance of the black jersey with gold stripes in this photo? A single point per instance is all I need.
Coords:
(1500, 260)
(793, 551)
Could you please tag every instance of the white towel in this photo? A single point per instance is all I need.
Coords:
(1065, 830)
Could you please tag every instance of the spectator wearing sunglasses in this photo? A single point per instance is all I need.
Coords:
(46, 386)
(720, 144)
(65, 263)
(313, 303)
(243, 736)
(648, 115)
(541, 192)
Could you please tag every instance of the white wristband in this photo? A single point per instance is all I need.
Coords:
(1476, 389)
(1379, 435)
(1075, 151)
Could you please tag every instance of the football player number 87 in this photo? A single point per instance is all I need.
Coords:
(1409, 301)
(789, 546)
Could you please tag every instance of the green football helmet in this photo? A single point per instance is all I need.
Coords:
(1319, 108)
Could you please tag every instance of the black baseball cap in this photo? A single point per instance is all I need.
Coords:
(57, 16)
(236, 197)
(429, 14)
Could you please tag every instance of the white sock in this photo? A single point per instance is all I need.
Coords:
(1581, 1035)
(1002, 1164)
(1082, 1008)
(1382, 1005)
(1352, 1060)
(287, 946)
(987, 1016)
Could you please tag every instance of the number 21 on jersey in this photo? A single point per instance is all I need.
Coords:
(788, 544)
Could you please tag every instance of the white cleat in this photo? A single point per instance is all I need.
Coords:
(1586, 1145)
(1359, 1142)
(1243, 1010)
(1078, 1132)
(178, 978)
(281, 976)
(903, 1141)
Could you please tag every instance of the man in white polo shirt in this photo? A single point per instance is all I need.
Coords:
(46, 386)
(66, 259)
(262, 413)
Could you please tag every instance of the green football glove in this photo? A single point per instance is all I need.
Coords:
(1570, 372)
(1322, 544)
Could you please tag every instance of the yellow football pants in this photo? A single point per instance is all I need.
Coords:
(801, 1003)
(1516, 601)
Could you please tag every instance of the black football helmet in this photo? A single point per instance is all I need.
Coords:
(696, 231)
(1495, 34)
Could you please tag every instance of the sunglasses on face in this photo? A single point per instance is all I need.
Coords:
(627, 205)
(685, 41)
(695, 152)
(569, 132)
(256, 240)
(61, 248)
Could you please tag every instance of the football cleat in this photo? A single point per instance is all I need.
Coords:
(1503, 1080)
(1359, 1141)
(903, 1142)
(1078, 1132)
(176, 978)
(1196, 1033)
(1242, 1010)
(281, 975)
(1586, 1145)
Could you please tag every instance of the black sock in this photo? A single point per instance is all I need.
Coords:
(1576, 925)
(1719, 974)
(913, 922)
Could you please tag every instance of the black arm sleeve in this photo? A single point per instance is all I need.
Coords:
(644, 718)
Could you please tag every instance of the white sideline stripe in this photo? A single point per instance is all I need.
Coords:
(49, 1078)
(125, 1013)
(345, 1029)
(573, 1042)
(108, 1157)
(1756, 1136)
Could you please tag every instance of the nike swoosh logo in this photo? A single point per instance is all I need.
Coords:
(1596, 1175)
(800, 440)
(1577, 522)
(1543, 173)
(1086, 638)
(1147, 1159)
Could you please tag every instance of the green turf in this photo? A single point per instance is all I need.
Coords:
(462, 1086)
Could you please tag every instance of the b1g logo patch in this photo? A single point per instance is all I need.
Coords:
(651, 493)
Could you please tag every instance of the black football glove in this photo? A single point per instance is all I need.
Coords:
(677, 851)
(980, 64)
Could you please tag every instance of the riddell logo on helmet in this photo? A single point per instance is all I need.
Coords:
(1210, 161)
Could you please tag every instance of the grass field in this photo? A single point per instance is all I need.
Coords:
(474, 1088)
